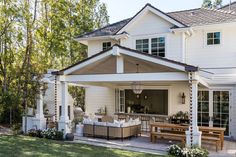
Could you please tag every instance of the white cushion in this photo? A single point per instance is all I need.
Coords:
(126, 124)
(113, 124)
(101, 123)
(88, 121)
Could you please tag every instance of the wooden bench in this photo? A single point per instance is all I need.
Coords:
(214, 139)
(168, 131)
(172, 136)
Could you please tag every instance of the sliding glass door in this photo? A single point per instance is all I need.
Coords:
(203, 108)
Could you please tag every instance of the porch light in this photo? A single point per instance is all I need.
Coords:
(183, 98)
(137, 86)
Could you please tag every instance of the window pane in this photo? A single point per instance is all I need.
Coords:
(158, 46)
(209, 35)
(142, 45)
(162, 54)
(216, 41)
(210, 42)
(217, 35)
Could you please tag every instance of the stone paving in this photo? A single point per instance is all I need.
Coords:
(143, 144)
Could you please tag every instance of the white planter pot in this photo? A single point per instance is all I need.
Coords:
(79, 130)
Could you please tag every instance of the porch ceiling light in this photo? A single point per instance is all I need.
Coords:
(137, 86)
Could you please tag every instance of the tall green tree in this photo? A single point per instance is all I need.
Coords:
(36, 35)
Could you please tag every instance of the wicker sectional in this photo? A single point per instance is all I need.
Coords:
(111, 132)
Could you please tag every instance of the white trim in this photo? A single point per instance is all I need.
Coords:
(165, 76)
(143, 13)
(117, 51)
(154, 60)
(92, 60)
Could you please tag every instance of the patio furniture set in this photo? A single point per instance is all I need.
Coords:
(109, 128)
(127, 126)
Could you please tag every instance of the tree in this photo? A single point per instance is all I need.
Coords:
(210, 4)
(207, 4)
(36, 36)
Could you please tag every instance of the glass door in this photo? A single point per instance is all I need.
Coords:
(203, 108)
(221, 110)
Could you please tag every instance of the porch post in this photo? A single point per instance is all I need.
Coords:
(193, 135)
(63, 124)
(40, 120)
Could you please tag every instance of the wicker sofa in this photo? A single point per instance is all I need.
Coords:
(110, 130)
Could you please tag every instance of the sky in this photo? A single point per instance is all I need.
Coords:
(122, 9)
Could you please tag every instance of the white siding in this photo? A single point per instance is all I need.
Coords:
(204, 56)
(97, 97)
(95, 46)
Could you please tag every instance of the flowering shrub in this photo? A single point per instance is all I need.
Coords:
(180, 151)
(47, 133)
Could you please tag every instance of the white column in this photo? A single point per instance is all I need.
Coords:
(40, 105)
(64, 122)
(196, 134)
(119, 64)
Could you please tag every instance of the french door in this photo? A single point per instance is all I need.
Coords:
(213, 109)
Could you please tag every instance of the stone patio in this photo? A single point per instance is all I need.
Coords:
(143, 144)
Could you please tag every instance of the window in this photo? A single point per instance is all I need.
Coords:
(122, 101)
(213, 38)
(106, 45)
(69, 112)
(158, 46)
(142, 45)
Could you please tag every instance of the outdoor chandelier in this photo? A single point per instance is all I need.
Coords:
(137, 86)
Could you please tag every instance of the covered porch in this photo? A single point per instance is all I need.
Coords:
(111, 75)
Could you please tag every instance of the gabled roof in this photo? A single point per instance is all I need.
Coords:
(156, 11)
(192, 17)
(186, 67)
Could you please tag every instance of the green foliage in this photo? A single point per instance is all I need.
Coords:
(48, 133)
(36, 36)
(210, 4)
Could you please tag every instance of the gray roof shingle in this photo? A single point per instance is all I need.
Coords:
(192, 17)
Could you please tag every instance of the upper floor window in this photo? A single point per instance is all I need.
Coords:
(213, 38)
(106, 45)
(158, 46)
(155, 47)
(142, 45)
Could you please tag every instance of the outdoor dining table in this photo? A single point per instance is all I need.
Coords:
(216, 130)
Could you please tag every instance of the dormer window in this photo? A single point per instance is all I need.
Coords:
(158, 46)
(213, 38)
(142, 45)
(106, 45)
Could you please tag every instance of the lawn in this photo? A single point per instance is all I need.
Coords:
(23, 146)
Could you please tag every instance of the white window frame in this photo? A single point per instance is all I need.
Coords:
(213, 45)
(105, 42)
(150, 37)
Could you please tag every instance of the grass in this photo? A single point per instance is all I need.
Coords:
(23, 146)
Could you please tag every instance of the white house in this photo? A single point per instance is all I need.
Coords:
(165, 57)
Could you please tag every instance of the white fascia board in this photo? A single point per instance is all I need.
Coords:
(90, 61)
(145, 77)
(153, 60)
